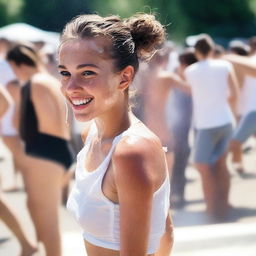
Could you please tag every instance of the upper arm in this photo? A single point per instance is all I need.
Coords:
(233, 84)
(135, 188)
(14, 89)
(181, 83)
(5, 101)
(246, 65)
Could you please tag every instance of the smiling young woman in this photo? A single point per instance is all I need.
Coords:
(121, 194)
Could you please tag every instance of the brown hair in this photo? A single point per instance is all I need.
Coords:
(187, 57)
(252, 43)
(204, 44)
(239, 48)
(132, 39)
(24, 54)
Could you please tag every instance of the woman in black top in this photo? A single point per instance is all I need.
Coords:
(46, 140)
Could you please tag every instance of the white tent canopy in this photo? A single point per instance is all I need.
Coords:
(25, 32)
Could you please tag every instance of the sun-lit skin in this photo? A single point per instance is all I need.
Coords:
(89, 76)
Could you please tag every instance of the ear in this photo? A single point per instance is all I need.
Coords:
(127, 75)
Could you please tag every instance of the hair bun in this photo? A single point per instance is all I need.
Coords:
(147, 33)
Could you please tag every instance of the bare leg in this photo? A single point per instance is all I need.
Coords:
(11, 220)
(210, 187)
(11, 143)
(223, 181)
(43, 182)
(236, 151)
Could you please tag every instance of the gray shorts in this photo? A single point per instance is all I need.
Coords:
(246, 127)
(211, 144)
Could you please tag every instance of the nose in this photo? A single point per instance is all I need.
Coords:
(72, 85)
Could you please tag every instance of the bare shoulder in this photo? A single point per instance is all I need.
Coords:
(136, 159)
(137, 144)
(44, 84)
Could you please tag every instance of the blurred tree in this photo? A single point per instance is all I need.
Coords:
(123, 8)
(223, 18)
(3, 13)
(52, 14)
(220, 18)
(9, 11)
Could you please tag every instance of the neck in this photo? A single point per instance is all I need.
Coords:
(114, 123)
(28, 73)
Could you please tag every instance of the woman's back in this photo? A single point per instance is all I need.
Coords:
(49, 105)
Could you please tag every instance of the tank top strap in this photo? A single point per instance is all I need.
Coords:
(113, 146)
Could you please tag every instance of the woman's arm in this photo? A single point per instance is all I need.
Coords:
(135, 186)
(5, 101)
(244, 64)
(167, 239)
(234, 90)
(176, 81)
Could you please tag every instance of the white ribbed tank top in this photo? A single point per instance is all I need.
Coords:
(97, 215)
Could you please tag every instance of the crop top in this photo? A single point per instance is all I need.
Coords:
(97, 215)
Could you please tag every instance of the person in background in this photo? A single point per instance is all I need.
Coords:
(180, 116)
(214, 95)
(155, 91)
(46, 140)
(122, 179)
(219, 50)
(247, 111)
(252, 45)
(7, 214)
(8, 129)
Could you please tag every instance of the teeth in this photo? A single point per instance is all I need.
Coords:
(81, 102)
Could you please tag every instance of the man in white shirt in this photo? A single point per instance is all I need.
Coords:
(214, 92)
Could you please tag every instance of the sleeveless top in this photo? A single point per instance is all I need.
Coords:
(97, 215)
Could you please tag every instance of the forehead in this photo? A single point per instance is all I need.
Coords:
(85, 48)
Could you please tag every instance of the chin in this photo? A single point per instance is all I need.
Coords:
(83, 118)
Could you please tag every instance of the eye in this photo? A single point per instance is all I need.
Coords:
(64, 73)
(88, 73)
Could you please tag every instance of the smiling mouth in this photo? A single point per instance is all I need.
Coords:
(81, 102)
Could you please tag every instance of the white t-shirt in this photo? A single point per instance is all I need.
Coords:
(6, 73)
(209, 85)
(247, 101)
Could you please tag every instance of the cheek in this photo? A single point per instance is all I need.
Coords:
(63, 89)
(110, 93)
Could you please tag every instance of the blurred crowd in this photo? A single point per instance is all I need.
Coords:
(198, 99)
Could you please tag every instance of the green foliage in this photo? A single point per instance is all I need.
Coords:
(220, 18)
(9, 11)
(52, 14)
(227, 18)
(123, 8)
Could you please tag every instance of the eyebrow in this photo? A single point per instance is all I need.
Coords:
(80, 66)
